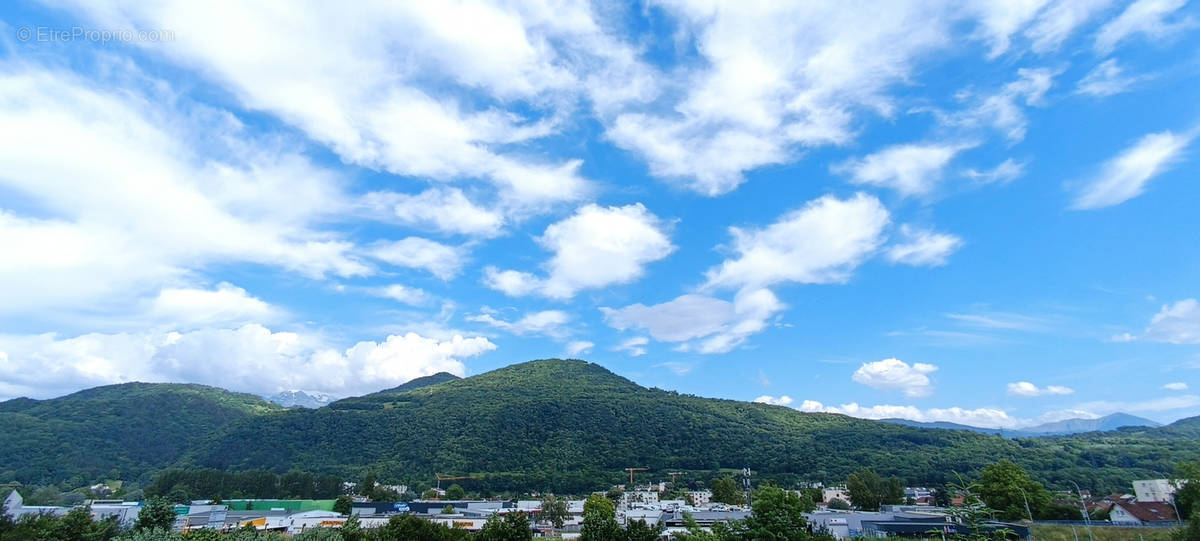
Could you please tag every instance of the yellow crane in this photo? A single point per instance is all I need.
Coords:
(675, 474)
(631, 470)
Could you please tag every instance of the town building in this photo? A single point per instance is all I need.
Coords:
(1154, 490)
(1141, 513)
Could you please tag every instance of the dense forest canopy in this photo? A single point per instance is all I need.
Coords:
(561, 425)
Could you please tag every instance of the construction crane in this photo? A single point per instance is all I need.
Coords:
(631, 470)
(441, 478)
(675, 474)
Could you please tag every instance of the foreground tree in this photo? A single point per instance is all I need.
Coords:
(1005, 487)
(599, 520)
(157, 514)
(868, 491)
(509, 527)
(725, 490)
(777, 515)
(554, 511)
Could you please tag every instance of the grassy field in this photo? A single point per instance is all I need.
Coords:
(1101, 533)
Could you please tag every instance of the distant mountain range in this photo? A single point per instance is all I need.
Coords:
(563, 425)
(1058, 428)
(300, 399)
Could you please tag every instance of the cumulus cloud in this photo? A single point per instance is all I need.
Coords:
(438, 259)
(708, 325)
(912, 169)
(1176, 386)
(596, 247)
(781, 401)
(923, 247)
(579, 347)
(250, 358)
(447, 210)
(546, 322)
(1145, 17)
(141, 201)
(897, 375)
(1177, 323)
(820, 243)
(1029, 390)
(373, 89)
(403, 294)
(188, 308)
(773, 78)
(981, 417)
(1126, 175)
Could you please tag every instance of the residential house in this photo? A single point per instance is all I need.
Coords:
(1127, 512)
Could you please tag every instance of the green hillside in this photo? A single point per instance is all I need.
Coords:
(572, 425)
(568, 426)
(115, 431)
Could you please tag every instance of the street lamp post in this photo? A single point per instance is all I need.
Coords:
(1087, 522)
(1026, 498)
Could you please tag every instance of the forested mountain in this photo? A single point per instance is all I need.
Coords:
(115, 431)
(569, 426)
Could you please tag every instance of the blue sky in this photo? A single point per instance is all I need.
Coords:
(980, 213)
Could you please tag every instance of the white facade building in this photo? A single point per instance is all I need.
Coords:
(832, 493)
(700, 497)
(1153, 490)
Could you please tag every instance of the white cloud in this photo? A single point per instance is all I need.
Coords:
(772, 79)
(897, 375)
(1058, 21)
(510, 282)
(923, 247)
(444, 209)
(187, 308)
(1002, 110)
(751, 310)
(250, 358)
(546, 322)
(579, 347)
(981, 417)
(1141, 17)
(1005, 172)
(1029, 390)
(373, 87)
(140, 202)
(441, 260)
(1177, 323)
(679, 320)
(781, 401)
(1125, 176)
(677, 367)
(1176, 386)
(1167, 403)
(912, 169)
(1001, 19)
(1002, 320)
(634, 346)
(596, 247)
(819, 243)
(403, 294)
(1106, 79)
